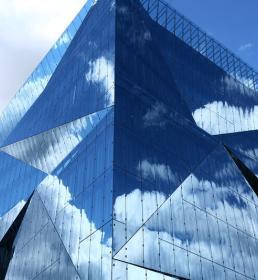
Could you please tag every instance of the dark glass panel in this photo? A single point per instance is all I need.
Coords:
(7, 219)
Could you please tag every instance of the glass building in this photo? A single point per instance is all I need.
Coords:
(131, 153)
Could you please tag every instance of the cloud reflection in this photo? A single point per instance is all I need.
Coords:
(101, 70)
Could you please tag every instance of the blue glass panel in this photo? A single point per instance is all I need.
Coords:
(146, 73)
(77, 217)
(36, 83)
(218, 102)
(38, 247)
(17, 181)
(192, 36)
(245, 145)
(208, 216)
(154, 152)
(136, 190)
(82, 83)
(48, 150)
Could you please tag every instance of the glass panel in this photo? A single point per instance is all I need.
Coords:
(17, 182)
(35, 85)
(87, 86)
(37, 247)
(7, 219)
(95, 255)
(47, 150)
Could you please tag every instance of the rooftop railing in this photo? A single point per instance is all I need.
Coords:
(196, 38)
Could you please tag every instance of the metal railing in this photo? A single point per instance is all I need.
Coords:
(196, 38)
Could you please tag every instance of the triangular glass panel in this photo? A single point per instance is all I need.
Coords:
(245, 146)
(38, 246)
(24, 180)
(7, 242)
(250, 177)
(219, 100)
(83, 82)
(48, 149)
(245, 143)
(123, 270)
(148, 170)
(62, 269)
(138, 38)
(77, 218)
(38, 80)
(201, 227)
(7, 219)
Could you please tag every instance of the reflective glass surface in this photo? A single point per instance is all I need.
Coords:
(208, 224)
(122, 163)
(38, 80)
(39, 249)
(17, 182)
(245, 146)
(8, 218)
(217, 100)
(37, 151)
(181, 206)
(87, 87)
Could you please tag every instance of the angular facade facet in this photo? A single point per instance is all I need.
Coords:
(131, 153)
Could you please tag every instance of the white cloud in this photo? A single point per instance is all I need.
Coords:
(151, 200)
(246, 47)
(28, 29)
(102, 71)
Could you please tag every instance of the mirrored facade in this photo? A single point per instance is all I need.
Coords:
(134, 157)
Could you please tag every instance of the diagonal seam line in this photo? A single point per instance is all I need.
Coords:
(10, 236)
(241, 153)
(96, 230)
(24, 198)
(24, 162)
(58, 234)
(44, 270)
(202, 257)
(235, 133)
(235, 159)
(208, 154)
(181, 95)
(50, 129)
(220, 139)
(153, 270)
(47, 131)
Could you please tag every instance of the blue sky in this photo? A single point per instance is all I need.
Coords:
(28, 28)
(234, 23)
